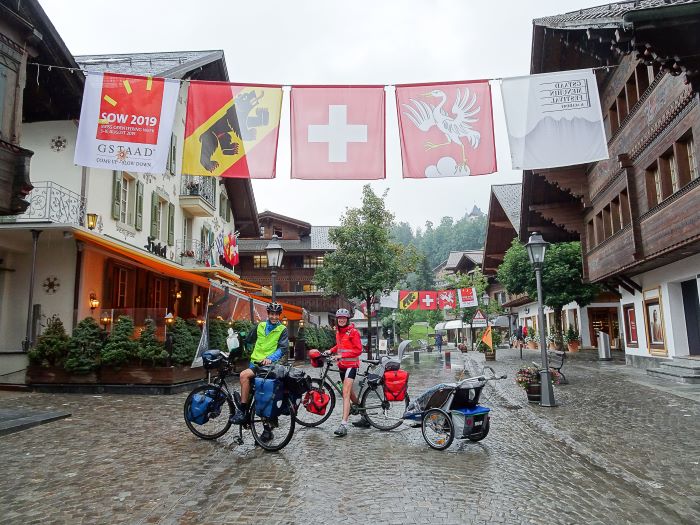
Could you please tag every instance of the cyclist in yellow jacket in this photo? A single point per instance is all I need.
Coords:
(271, 344)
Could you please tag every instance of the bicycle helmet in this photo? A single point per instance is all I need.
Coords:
(274, 308)
(343, 312)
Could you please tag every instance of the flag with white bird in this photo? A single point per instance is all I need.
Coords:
(446, 129)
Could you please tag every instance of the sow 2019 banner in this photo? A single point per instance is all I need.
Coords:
(126, 122)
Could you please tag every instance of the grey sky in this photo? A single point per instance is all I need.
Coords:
(334, 42)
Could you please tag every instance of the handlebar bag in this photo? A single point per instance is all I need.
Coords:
(297, 382)
(317, 360)
(395, 385)
(198, 412)
(316, 401)
(392, 365)
(269, 397)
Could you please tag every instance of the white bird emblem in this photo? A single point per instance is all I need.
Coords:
(425, 116)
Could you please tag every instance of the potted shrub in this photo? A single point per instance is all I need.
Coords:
(84, 349)
(572, 339)
(554, 342)
(528, 378)
(47, 358)
(531, 341)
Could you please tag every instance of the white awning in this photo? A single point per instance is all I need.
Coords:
(454, 324)
(439, 326)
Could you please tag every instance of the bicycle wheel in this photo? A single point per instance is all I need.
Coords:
(438, 429)
(309, 419)
(382, 414)
(272, 433)
(217, 418)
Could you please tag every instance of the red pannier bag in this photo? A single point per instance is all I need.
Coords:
(316, 358)
(395, 385)
(316, 401)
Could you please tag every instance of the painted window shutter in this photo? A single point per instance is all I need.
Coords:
(171, 224)
(116, 194)
(139, 206)
(154, 214)
(212, 259)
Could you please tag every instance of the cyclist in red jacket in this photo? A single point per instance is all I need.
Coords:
(348, 348)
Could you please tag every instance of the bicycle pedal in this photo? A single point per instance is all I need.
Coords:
(239, 441)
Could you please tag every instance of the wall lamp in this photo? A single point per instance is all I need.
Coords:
(91, 221)
(94, 303)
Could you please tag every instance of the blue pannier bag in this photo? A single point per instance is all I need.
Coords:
(199, 409)
(269, 397)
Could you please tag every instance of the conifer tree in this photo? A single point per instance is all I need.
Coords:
(150, 349)
(120, 347)
(52, 346)
(184, 345)
(84, 347)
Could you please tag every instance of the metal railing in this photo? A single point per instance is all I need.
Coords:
(51, 202)
(196, 185)
(192, 252)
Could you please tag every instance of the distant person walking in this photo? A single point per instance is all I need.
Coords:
(438, 342)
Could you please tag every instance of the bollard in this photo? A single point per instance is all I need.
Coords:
(416, 356)
(447, 359)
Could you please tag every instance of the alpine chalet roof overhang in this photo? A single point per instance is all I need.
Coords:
(303, 227)
(186, 65)
(54, 94)
(464, 261)
(660, 32)
(316, 241)
(502, 224)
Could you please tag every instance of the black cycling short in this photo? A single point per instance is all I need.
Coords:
(347, 373)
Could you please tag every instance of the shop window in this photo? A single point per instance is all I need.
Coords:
(158, 293)
(122, 287)
(259, 261)
(310, 287)
(630, 325)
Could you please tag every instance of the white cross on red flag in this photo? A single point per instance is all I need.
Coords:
(338, 132)
(427, 300)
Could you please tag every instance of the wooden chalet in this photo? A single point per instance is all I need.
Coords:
(637, 214)
(305, 247)
(458, 262)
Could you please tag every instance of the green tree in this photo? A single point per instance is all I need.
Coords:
(366, 260)
(184, 344)
(84, 347)
(120, 347)
(150, 349)
(562, 277)
(52, 347)
(474, 279)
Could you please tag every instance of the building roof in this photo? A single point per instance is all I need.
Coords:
(454, 260)
(509, 196)
(603, 16)
(170, 64)
(476, 212)
(317, 241)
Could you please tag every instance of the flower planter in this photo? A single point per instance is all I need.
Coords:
(40, 375)
(490, 356)
(534, 392)
(532, 345)
(150, 375)
(573, 346)
(552, 346)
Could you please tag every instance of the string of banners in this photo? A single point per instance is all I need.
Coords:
(437, 299)
(338, 132)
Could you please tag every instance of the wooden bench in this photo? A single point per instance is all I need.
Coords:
(556, 361)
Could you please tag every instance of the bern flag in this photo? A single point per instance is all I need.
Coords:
(338, 132)
(446, 129)
(126, 122)
(408, 300)
(554, 119)
(232, 130)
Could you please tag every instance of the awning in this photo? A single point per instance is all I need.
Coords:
(439, 326)
(152, 262)
(454, 324)
(502, 321)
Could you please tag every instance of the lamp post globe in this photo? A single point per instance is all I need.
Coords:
(275, 253)
(536, 249)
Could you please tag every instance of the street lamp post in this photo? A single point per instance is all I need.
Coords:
(393, 329)
(536, 248)
(275, 252)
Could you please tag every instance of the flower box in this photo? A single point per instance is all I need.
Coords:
(150, 375)
(41, 375)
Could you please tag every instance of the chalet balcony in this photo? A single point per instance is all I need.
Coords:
(51, 202)
(192, 253)
(198, 195)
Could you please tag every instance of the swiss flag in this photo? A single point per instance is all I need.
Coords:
(338, 132)
(427, 300)
(446, 299)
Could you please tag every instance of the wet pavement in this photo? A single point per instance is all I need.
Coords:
(618, 448)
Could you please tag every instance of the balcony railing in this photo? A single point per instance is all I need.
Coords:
(51, 202)
(199, 186)
(192, 252)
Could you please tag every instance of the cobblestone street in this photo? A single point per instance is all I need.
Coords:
(615, 450)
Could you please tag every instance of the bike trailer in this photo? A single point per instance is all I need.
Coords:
(470, 421)
(395, 385)
(316, 402)
(269, 397)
